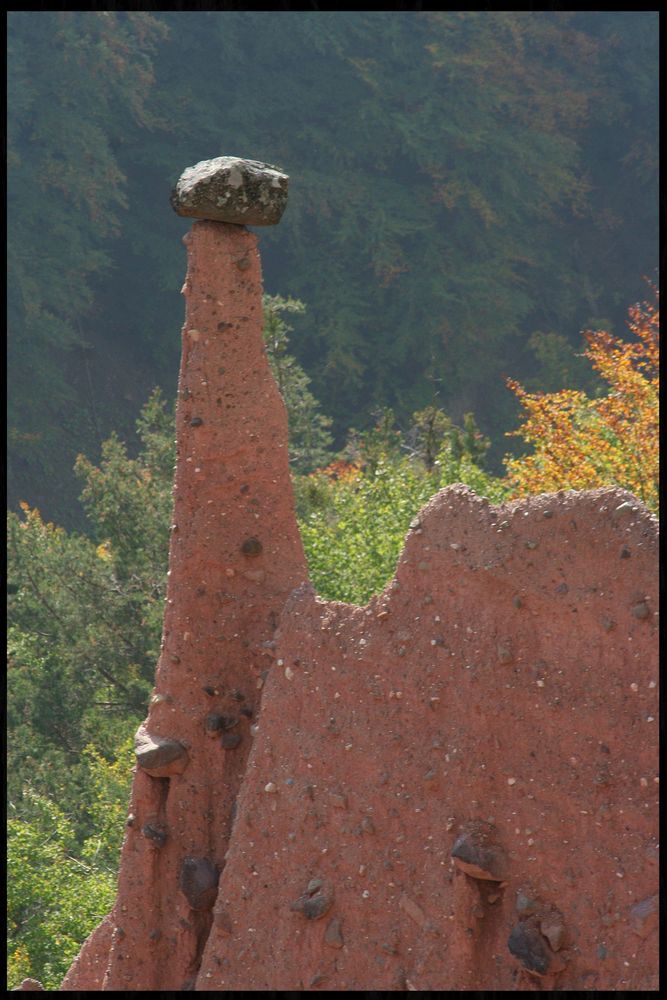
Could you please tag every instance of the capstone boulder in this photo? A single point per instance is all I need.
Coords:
(231, 189)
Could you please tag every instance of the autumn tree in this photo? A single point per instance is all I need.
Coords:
(611, 440)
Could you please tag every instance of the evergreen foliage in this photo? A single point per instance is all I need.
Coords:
(78, 84)
(460, 180)
(309, 437)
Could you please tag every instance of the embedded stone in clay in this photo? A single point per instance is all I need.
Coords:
(477, 855)
(158, 756)
(198, 882)
(229, 189)
(315, 901)
(529, 947)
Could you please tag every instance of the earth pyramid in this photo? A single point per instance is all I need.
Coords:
(454, 787)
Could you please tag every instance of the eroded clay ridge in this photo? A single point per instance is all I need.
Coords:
(455, 787)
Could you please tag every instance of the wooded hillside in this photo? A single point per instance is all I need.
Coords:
(469, 190)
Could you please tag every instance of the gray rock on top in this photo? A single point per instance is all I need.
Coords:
(229, 189)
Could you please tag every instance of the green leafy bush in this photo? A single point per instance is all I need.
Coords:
(353, 519)
(54, 900)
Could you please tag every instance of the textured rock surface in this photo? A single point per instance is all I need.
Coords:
(454, 787)
(230, 189)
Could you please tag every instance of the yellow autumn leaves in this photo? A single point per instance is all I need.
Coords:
(582, 443)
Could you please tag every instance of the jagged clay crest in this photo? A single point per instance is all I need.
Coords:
(460, 755)
(467, 764)
(450, 788)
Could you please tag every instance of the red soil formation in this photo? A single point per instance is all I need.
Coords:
(454, 787)
(497, 702)
(234, 558)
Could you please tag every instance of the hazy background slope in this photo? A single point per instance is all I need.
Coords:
(469, 189)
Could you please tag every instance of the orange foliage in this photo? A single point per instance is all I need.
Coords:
(581, 443)
(342, 472)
